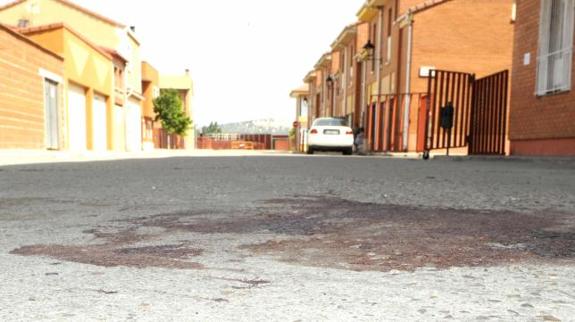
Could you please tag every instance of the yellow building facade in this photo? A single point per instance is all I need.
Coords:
(150, 90)
(88, 86)
(102, 33)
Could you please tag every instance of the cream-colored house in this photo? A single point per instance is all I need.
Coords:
(185, 86)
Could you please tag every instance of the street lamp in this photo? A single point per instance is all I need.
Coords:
(369, 47)
(369, 50)
(329, 81)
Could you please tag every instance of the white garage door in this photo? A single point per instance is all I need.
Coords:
(99, 129)
(77, 118)
(119, 128)
(133, 127)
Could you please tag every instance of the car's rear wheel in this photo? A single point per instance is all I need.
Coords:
(348, 151)
(310, 150)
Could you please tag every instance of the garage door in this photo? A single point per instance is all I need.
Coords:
(100, 137)
(119, 128)
(133, 127)
(77, 118)
(51, 114)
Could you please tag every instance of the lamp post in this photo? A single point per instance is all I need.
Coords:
(330, 82)
(370, 52)
(303, 130)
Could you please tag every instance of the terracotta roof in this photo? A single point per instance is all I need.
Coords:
(311, 75)
(324, 58)
(350, 29)
(113, 53)
(302, 90)
(426, 5)
(36, 29)
(74, 6)
(12, 30)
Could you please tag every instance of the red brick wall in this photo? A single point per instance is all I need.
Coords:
(22, 92)
(336, 58)
(538, 125)
(281, 144)
(474, 36)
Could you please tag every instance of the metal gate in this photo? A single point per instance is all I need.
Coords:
(385, 120)
(489, 119)
(479, 119)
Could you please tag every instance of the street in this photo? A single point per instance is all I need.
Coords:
(296, 238)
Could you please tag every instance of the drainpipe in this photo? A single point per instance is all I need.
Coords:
(409, 18)
(378, 57)
(324, 95)
(363, 93)
(344, 78)
(376, 127)
(333, 102)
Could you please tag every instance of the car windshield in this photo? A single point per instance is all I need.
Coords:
(330, 122)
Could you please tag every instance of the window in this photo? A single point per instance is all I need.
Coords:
(119, 78)
(555, 47)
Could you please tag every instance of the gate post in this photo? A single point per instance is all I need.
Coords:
(428, 107)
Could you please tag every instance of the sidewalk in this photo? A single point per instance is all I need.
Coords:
(18, 157)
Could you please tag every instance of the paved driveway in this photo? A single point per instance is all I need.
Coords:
(288, 238)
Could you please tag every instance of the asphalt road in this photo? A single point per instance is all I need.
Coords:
(288, 238)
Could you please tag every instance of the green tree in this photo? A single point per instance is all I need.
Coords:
(168, 109)
(213, 128)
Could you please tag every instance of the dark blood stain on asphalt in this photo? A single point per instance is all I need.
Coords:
(118, 250)
(338, 233)
(332, 232)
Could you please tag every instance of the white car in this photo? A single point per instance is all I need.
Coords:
(330, 134)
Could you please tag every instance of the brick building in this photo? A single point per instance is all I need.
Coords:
(542, 120)
(323, 90)
(31, 110)
(103, 113)
(88, 82)
(409, 37)
(349, 72)
(380, 65)
(100, 32)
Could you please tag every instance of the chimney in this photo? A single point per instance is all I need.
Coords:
(133, 29)
(23, 23)
(187, 71)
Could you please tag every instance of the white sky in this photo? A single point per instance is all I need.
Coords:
(244, 56)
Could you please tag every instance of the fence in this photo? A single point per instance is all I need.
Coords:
(163, 140)
(240, 141)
